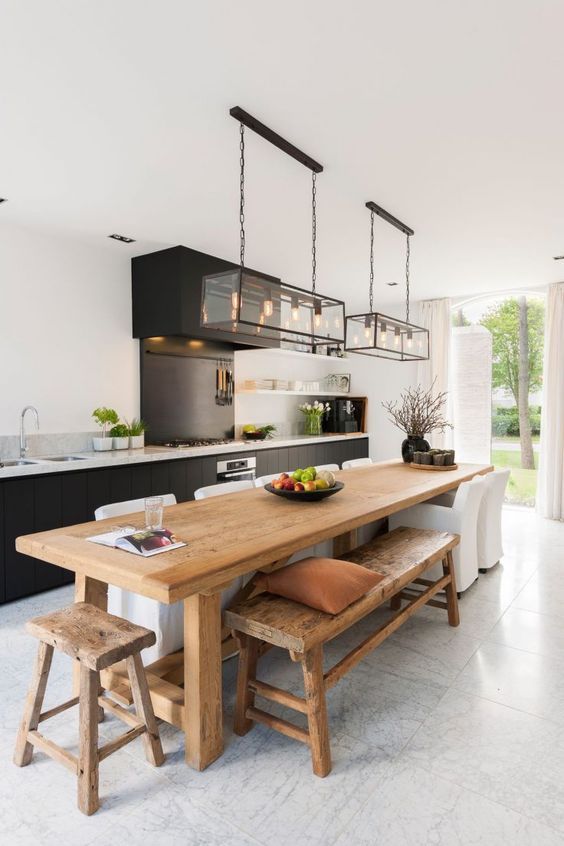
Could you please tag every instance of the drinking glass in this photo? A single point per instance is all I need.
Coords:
(154, 512)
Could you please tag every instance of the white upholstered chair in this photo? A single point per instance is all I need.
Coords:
(332, 467)
(490, 546)
(223, 488)
(357, 462)
(461, 518)
(165, 620)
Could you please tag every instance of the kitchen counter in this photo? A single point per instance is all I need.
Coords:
(115, 458)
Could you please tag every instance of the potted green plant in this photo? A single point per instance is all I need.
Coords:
(137, 429)
(104, 417)
(120, 436)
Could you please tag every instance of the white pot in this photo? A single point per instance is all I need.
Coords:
(137, 441)
(102, 444)
(121, 443)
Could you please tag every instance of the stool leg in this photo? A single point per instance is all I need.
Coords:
(450, 590)
(144, 707)
(395, 602)
(88, 801)
(314, 686)
(24, 750)
(247, 671)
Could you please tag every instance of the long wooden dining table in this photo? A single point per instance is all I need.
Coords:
(227, 537)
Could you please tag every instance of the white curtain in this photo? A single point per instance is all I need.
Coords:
(435, 316)
(550, 494)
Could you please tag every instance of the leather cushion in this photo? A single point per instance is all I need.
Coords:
(326, 584)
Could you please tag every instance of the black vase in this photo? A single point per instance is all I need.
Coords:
(413, 443)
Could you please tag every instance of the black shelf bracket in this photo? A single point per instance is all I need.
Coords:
(273, 138)
(389, 218)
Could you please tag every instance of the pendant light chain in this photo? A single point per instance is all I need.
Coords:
(242, 196)
(313, 231)
(407, 281)
(371, 293)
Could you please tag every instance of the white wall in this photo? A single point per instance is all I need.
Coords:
(65, 331)
(377, 379)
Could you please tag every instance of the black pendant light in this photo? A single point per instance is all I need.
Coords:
(250, 303)
(380, 335)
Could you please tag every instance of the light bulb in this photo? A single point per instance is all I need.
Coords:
(396, 337)
(234, 299)
(368, 326)
(337, 323)
(317, 315)
(383, 334)
(261, 318)
(409, 340)
(268, 306)
(355, 340)
(204, 315)
(367, 331)
(295, 308)
(233, 314)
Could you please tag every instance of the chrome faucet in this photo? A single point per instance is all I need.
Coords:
(23, 439)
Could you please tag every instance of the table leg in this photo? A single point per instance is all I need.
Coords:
(203, 720)
(96, 593)
(344, 543)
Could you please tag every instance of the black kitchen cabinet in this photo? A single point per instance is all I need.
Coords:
(2, 548)
(19, 511)
(98, 490)
(38, 503)
(48, 515)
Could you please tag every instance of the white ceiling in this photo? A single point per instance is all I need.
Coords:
(114, 118)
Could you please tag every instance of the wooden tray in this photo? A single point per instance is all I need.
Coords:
(434, 466)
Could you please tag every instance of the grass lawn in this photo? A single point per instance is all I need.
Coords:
(522, 484)
(515, 439)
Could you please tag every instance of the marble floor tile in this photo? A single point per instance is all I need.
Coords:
(543, 593)
(524, 680)
(415, 808)
(530, 631)
(506, 755)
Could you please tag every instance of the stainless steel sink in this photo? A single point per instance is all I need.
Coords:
(17, 462)
(65, 458)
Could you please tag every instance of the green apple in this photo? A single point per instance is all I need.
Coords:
(311, 470)
(306, 477)
(249, 428)
(297, 475)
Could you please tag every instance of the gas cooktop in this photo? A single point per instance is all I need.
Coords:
(178, 443)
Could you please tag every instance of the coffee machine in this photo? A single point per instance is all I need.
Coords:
(345, 416)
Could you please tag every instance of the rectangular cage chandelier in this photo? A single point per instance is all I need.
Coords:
(249, 303)
(245, 302)
(376, 334)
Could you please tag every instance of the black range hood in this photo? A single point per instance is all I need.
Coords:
(167, 296)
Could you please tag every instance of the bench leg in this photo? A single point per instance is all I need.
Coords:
(395, 602)
(247, 672)
(144, 708)
(24, 750)
(88, 801)
(450, 590)
(314, 687)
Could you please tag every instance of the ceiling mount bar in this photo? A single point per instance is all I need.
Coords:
(389, 218)
(269, 135)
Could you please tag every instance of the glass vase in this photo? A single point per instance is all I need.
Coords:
(313, 424)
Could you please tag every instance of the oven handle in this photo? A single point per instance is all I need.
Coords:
(249, 473)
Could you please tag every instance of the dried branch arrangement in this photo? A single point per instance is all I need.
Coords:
(417, 412)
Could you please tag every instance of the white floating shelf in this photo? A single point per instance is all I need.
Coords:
(271, 391)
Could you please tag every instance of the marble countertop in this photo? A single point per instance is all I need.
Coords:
(114, 458)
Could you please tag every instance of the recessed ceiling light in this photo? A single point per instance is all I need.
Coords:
(391, 284)
(123, 238)
(558, 258)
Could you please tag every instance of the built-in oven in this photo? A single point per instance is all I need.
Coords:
(236, 469)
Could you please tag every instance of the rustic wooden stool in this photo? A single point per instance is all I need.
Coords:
(401, 556)
(97, 640)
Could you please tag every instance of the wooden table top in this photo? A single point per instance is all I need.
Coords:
(238, 533)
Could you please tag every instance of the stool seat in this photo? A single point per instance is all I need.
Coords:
(92, 636)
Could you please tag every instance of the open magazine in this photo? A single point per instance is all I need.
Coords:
(143, 542)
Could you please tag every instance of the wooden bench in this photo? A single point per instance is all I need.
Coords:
(95, 640)
(402, 556)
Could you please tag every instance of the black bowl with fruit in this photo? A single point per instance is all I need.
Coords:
(258, 433)
(307, 485)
